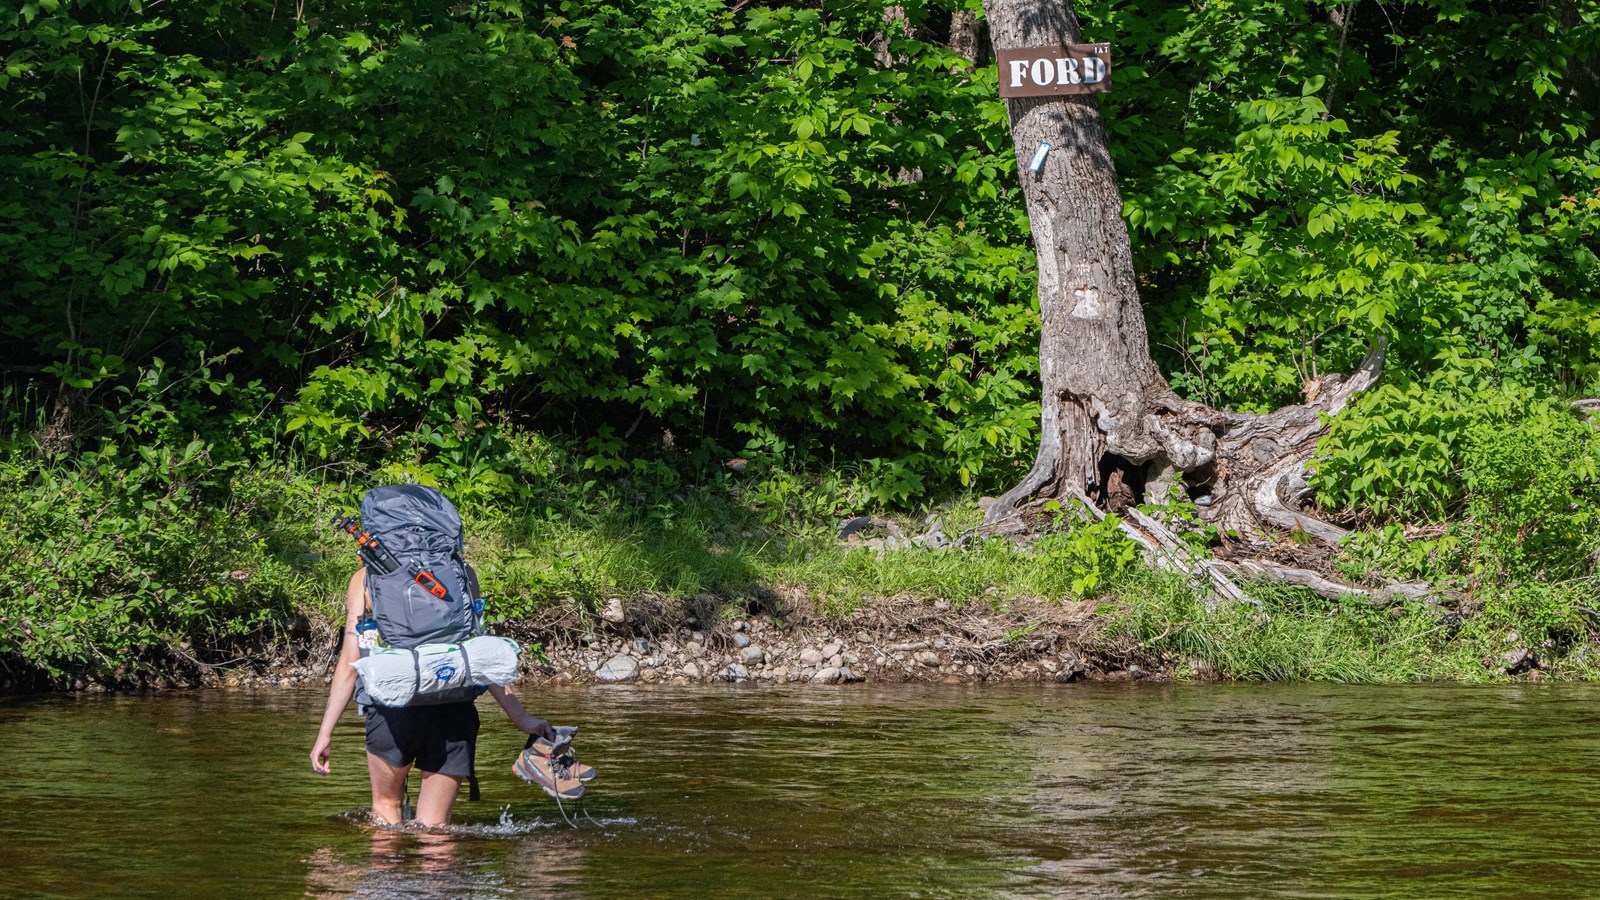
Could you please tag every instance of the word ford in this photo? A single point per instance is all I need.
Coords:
(1057, 70)
(1061, 70)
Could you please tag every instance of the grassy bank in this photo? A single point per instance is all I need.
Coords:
(126, 571)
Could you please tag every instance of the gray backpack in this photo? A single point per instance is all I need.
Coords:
(423, 591)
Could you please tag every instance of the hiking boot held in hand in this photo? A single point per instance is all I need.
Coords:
(584, 773)
(551, 775)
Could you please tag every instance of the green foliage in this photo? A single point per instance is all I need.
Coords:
(1518, 477)
(1549, 616)
(116, 567)
(1522, 469)
(1533, 491)
(1369, 180)
(1399, 449)
(1090, 556)
(1389, 552)
(412, 222)
(678, 225)
(571, 260)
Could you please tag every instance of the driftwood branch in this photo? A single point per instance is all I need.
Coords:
(1167, 551)
(1221, 578)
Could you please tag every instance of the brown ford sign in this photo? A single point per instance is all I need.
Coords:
(1046, 71)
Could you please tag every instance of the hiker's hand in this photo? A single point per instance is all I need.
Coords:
(320, 752)
(536, 727)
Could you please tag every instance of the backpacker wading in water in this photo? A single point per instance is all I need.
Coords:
(415, 601)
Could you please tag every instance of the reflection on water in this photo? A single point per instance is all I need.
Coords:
(398, 865)
(1071, 790)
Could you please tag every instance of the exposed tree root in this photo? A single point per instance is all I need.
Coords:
(1266, 570)
(1260, 477)
(1255, 483)
(1166, 550)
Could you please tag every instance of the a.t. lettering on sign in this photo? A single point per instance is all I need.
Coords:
(1044, 71)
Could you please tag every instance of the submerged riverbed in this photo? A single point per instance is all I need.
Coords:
(904, 790)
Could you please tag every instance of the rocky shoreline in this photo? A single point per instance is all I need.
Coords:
(647, 640)
(884, 641)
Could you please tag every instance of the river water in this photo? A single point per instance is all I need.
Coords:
(930, 791)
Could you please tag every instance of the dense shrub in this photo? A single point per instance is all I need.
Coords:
(631, 250)
(115, 568)
(1399, 449)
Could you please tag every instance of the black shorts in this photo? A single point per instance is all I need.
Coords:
(438, 738)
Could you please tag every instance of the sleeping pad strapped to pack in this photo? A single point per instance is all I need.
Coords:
(426, 605)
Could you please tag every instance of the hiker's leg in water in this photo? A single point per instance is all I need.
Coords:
(436, 798)
(388, 789)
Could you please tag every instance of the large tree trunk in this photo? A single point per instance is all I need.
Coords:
(1104, 402)
(1110, 424)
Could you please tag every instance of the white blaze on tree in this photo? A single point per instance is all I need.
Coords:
(1110, 425)
(1101, 387)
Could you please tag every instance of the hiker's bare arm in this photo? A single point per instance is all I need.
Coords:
(508, 701)
(344, 677)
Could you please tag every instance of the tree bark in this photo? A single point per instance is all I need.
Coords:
(1104, 401)
(1110, 424)
(969, 37)
(1583, 72)
(894, 22)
